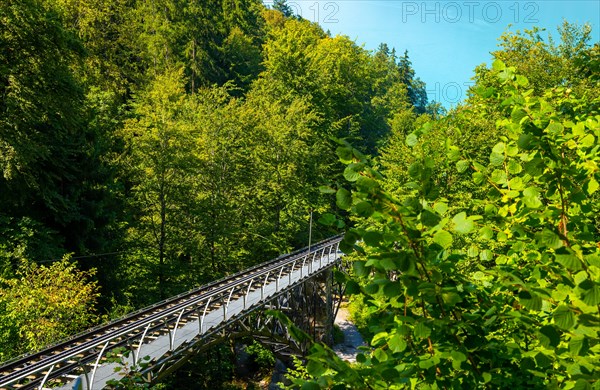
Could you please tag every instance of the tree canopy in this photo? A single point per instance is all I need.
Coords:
(149, 147)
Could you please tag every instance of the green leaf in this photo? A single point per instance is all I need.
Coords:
(380, 355)
(478, 177)
(496, 159)
(387, 264)
(530, 300)
(531, 198)
(440, 208)
(487, 377)
(458, 356)
(517, 114)
(421, 331)
(451, 298)
(486, 255)
(379, 339)
(343, 198)
(578, 129)
(310, 385)
(366, 183)
(372, 238)
(412, 140)
(453, 153)
(429, 219)
(499, 177)
(563, 317)
(364, 209)
(473, 251)
(582, 384)
(327, 219)
(522, 81)
(512, 150)
(555, 128)
(415, 169)
(592, 296)
(499, 148)
(327, 190)
(359, 269)
(462, 224)
(498, 65)
(587, 141)
(550, 239)
(315, 368)
(592, 186)
(352, 287)
(372, 288)
(486, 233)
(578, 345)
(350, 173)
(550, 336)
(514, 167)
(397, 343)
(524, 141)
(569, 260)
(542, 360)
(484, 92)
(405, 263)
(462, 166)
(443, 238)
(392, 289)
(389, 374)
(428, 363)
(516, 183)
(345, 154)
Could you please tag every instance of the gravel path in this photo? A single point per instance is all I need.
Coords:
(352, 338)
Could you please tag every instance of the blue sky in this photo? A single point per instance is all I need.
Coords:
(445, 40)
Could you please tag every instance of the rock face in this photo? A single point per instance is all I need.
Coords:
(278, 375)
(352, 338)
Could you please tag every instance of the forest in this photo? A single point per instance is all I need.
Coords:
(150, 147)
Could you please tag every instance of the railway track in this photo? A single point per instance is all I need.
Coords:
(81, 355)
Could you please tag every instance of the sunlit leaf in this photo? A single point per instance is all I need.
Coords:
(563, 317)
(343, 198)
(443, 238)
(462, 224)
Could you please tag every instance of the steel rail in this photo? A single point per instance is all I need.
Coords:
(47, 359)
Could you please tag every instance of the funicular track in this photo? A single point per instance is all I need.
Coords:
(166, 327)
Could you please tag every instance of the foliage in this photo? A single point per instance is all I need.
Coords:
(213, 369)
(547, 63)
(43, 305)
(50, 161)
(520, 308)
(262, 357)
(160, 141)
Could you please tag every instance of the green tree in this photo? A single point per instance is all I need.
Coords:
(159, 145)
(49, 156)
(283, 7)
(543, 61)
(44, 304)
(224, 183)
(520, 307)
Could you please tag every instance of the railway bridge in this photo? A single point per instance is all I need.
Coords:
(154, 341)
